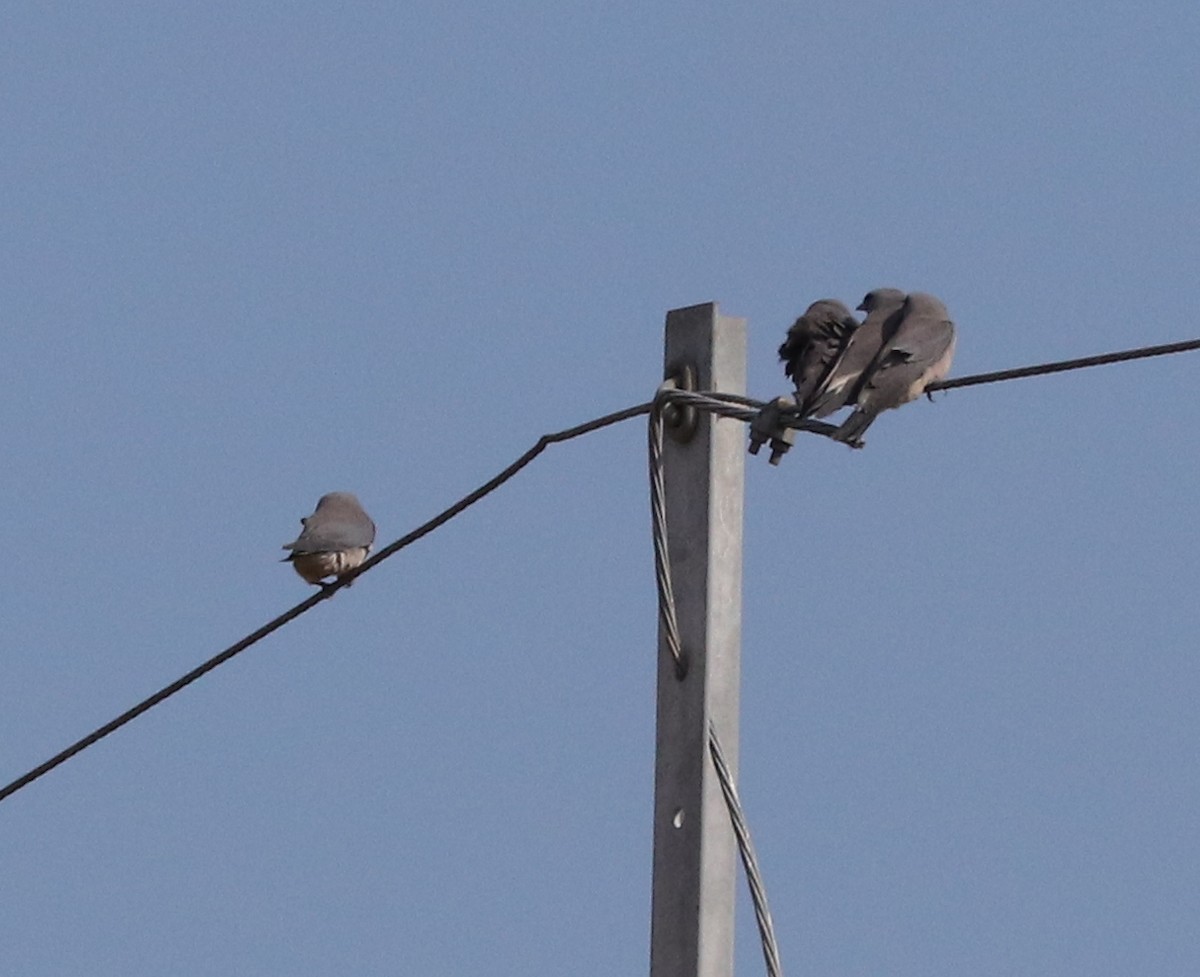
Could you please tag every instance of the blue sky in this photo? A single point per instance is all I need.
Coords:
(251, 253)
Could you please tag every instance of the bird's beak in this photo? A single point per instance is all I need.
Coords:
(861, 307)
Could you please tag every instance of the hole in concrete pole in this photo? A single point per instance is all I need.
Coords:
(678, 819)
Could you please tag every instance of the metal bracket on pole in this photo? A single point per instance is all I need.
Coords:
(768, 427)
(695, 853)
(680, 420)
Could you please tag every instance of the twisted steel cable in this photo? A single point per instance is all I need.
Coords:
(758, 890)
(668, 620)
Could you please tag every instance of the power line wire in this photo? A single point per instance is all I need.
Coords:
(323, 594)
(1062, 366)
(724, 404)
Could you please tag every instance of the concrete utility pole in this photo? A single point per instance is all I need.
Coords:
(695, 853)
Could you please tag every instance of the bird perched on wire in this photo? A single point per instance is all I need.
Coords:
(336, 538)
(814, 347)
(917, 348)
(838, 386)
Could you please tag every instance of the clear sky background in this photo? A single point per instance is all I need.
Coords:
(254, 252)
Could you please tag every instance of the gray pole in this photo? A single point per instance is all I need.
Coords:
(691, 930)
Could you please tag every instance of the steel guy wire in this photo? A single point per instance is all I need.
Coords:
(758, 891)
(733, 406)
(724, 405)
(658, 516)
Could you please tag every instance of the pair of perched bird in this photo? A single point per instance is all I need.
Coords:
(905, 343)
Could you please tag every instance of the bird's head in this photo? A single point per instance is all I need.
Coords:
(879, 297)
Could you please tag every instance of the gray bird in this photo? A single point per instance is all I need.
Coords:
(337, 537)
(814, 347)
(882, 306)
(918, 347)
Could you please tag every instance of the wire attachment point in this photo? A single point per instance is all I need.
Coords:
(768, 425)
(681, 420)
